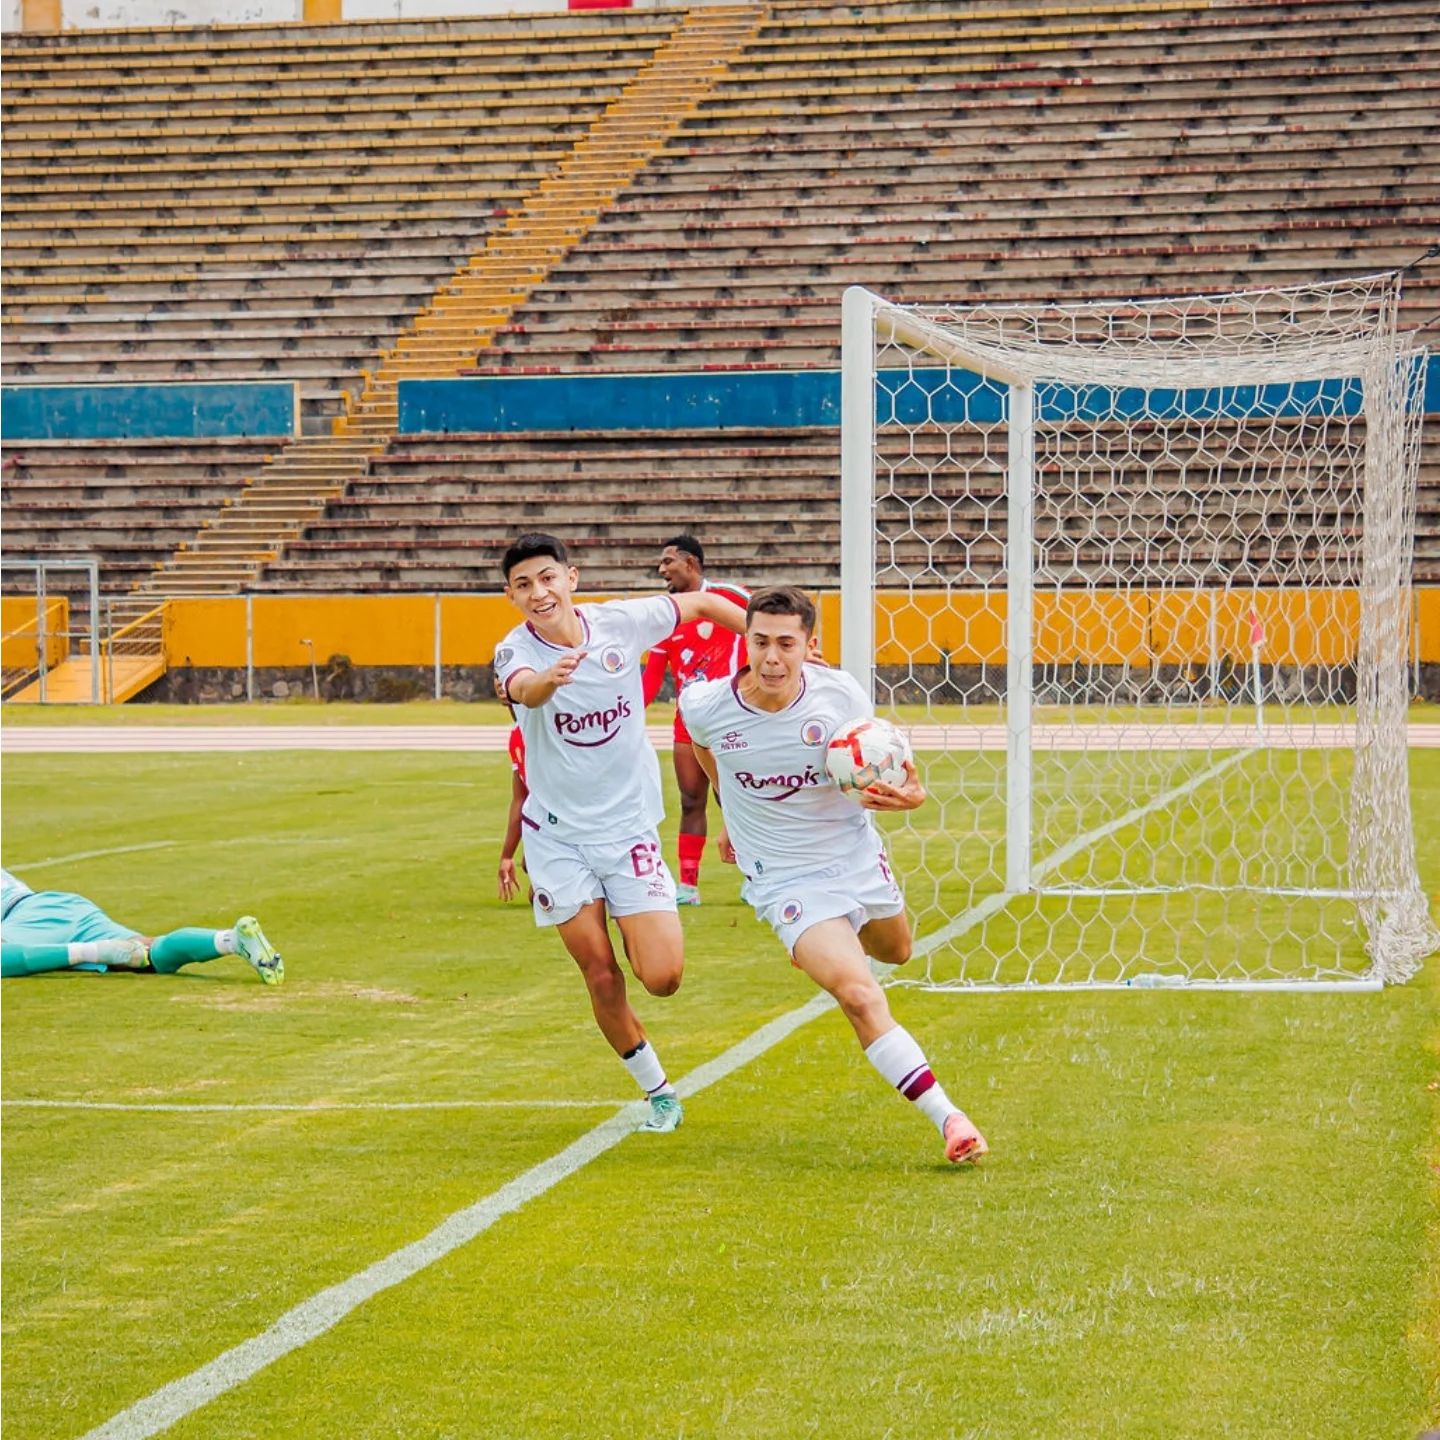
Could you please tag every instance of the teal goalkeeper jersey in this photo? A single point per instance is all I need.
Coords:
(12, 891)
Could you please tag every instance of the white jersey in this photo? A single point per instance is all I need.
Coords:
(783, 813)
(590, 768)
(12, 891)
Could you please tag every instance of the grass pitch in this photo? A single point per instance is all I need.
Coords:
(1206, 1215)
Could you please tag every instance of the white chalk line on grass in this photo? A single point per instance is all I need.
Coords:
(325, 1107)
(92, 854)
(313, 1317)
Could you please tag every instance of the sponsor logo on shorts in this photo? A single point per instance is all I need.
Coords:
(732, 740)
(657, 889)
(599, 727)
(785, 785)
(812, 732)
(791, 911)
(545, 900)
(759, 867)
(613, 660)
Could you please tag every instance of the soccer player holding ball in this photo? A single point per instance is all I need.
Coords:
(814, 865)
(573, 675)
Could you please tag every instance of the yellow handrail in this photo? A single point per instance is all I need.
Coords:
(145, 619)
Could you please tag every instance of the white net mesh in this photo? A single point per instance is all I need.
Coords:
(1200, 775)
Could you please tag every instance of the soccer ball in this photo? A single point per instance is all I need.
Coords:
(866, 751)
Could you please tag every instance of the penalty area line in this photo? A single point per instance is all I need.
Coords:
(313, 1317)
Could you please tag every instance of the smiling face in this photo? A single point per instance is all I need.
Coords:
(777, 646)
(543, 590)
(680, 570)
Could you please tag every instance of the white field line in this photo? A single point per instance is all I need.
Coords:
(313, 1317)
(90, 739)
(93, 854)
(318, 1107)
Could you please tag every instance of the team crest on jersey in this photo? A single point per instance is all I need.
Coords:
(612, 659)
(812, 732)
(732, 740)
(790, 912)
(503, 656)
(545, 900)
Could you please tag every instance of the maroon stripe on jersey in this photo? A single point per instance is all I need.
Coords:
(916, 1083)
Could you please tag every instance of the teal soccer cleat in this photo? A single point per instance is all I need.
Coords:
(687, 894)
(665, 1114)
(258, 950)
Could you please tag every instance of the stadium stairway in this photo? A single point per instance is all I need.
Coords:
(447, 335)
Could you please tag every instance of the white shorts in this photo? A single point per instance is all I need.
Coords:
(860, 888)
(629, 875)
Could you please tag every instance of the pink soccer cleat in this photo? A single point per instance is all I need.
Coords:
(963, 1142)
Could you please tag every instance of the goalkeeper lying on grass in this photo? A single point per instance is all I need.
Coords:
(52, 930)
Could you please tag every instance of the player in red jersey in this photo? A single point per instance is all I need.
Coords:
(700, 650)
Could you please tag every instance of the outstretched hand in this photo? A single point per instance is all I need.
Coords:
(909, 796)
(562, 672)
(726, 849)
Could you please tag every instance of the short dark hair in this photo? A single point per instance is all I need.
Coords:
(527, 547)
(689, 544)
(782, 600)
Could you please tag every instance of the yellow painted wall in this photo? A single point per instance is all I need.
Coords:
(1103, 627)
(1428, 605)
(369, 629)
(20, 647)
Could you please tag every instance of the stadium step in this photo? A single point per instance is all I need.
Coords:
(74, 681)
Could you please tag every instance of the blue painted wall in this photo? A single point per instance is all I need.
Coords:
(757, 398)
(703, 401)
(119, 412)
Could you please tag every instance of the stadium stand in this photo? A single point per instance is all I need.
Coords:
(319, 203)
(251, 202)
(1125, 151)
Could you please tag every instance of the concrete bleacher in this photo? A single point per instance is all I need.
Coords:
(437, 511)
(1125, 151)
(274, 202)
(129, 503)
(280, 202)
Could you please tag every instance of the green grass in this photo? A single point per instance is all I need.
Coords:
(1205, 1214)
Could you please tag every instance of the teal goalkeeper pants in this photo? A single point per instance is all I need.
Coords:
(167, 954)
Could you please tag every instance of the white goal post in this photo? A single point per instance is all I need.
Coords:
(1136, 579)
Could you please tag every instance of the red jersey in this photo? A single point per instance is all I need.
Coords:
(517, 753)
(699, 649)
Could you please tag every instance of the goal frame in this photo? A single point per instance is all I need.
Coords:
(863, 313)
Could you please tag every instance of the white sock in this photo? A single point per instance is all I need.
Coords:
(225, 943)
(902, 1062)
(649, 1074)
(84, 952)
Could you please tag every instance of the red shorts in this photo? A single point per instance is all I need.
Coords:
(682, 735)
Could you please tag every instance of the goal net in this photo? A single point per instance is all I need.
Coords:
(1136, 579)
